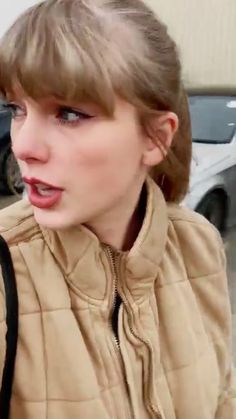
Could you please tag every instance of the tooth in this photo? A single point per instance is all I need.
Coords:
(45, 192)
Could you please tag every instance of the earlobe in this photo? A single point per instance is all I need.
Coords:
(153, 157)
(159, 140)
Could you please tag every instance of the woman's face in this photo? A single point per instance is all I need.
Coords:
(78, 164)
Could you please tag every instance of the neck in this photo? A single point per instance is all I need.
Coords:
(120, 226)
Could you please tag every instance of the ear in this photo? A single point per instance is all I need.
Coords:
(162, 129)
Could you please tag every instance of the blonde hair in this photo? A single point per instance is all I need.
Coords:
(80, 50)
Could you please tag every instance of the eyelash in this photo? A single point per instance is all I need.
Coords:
(79, 116)
(11, 107)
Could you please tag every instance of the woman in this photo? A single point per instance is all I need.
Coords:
(123, 300)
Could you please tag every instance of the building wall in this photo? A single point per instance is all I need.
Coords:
(205, 31)
(10, 9)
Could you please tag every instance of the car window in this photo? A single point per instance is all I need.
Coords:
(5, 120)
(213, 118)
(2, 106)
(5, 123)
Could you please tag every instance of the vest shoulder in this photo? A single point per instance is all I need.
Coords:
(17, 223)
(199, 241)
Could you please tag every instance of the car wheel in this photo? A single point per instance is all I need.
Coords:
(12, 174)
(214, 209)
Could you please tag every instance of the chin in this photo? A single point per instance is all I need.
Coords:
(53, 219)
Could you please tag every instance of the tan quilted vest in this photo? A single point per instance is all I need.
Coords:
(172, 360)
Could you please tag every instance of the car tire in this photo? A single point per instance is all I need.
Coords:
(214, 209)
(13, 180)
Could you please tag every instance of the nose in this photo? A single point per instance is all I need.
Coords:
(29, 141)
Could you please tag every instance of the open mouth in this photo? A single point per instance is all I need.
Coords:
(42, 195)
(44, 190)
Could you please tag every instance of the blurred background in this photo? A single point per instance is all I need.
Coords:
(204, 32)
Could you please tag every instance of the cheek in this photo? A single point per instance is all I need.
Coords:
(102, 154)
(107, 157)
(92, 156)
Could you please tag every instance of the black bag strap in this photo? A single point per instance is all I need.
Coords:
(9, 281)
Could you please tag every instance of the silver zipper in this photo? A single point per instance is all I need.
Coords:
(113, 258)
(156, 412)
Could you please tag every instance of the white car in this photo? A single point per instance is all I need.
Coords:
(212, 190)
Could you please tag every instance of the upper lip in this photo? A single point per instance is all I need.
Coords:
(34, 181)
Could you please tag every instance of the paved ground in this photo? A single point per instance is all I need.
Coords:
(231, 257)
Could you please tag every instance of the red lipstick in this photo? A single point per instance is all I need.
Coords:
(42, 194)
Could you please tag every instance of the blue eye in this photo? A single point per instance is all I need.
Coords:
(67, 115)
(15, 110)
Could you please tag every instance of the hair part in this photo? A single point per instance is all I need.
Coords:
(93, 50)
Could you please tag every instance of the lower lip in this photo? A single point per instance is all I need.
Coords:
(43, 202)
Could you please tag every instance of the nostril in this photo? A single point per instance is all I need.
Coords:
(31, 160)
(30, 151)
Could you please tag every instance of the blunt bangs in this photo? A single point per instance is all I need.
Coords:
(46, 55)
